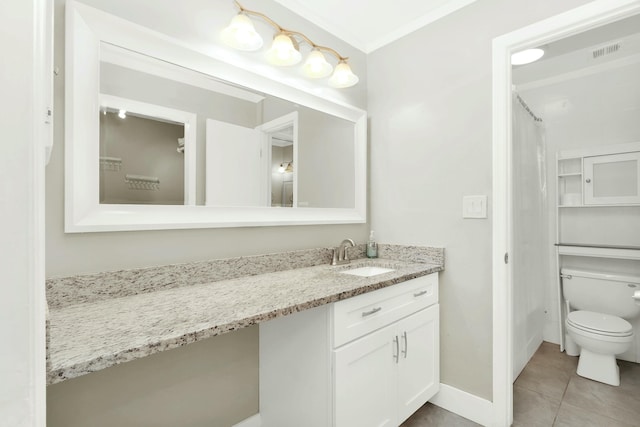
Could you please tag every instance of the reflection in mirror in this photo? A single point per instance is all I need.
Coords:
(282, 167)
(238, 137)
(141, 159)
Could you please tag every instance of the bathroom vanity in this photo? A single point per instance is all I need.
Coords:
(368, 360)
(336, 348)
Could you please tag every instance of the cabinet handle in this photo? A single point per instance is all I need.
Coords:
(588, 180)
(406, 344)
(396, 356)
(370, 312)
(419, 294)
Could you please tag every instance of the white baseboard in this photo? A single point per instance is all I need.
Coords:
(465, 404)
(459, 402)
(252, 421)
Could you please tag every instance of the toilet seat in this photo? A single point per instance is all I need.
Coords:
(599, 324)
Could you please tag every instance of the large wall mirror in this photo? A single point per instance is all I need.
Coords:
(159, 136)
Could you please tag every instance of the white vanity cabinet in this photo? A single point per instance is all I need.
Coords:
(370, 360)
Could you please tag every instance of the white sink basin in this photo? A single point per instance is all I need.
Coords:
(368, 271)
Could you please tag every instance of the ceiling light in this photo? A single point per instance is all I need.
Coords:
(343, 76)
(316, 65)
(241, 35)
(526, 56)
(285, 49)
(283, 52)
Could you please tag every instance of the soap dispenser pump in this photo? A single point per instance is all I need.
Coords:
(372, 246)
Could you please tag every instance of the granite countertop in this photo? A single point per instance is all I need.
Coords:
(90, 336)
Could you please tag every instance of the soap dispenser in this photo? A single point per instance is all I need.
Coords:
(372, 246)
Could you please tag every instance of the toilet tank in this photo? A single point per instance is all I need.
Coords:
(601, 292)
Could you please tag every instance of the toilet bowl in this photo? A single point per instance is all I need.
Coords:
(601, 303)
(600, 337)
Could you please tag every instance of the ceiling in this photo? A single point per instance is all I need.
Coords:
(573, 54)
(370, 24)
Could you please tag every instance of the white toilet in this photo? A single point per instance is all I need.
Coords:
(601, 302)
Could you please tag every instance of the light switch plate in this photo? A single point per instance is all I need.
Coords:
(474, 206)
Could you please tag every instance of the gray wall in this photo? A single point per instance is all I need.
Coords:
(68, 254)
(430, 145)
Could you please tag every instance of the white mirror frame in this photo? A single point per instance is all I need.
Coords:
(86, 28)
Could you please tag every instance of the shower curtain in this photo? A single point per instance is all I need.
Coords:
(530, 233)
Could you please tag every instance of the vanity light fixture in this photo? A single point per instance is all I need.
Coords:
(285, 48)
(287, 169)
(241, 34)
(283, 52)
(122, 114)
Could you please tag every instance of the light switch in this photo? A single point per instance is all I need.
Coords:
(474, 206)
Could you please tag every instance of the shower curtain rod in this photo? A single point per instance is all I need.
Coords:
(528, 110)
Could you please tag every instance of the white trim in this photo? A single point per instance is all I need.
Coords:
(580, 19)
(86, 27)
(465, 404)
(252, 421)
(40, 149)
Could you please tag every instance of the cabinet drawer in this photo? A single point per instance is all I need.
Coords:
(357, 316)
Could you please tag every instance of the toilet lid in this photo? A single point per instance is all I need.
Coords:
(599, 322)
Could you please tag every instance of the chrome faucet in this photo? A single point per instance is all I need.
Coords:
(340, 255)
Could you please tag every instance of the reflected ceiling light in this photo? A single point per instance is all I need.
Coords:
(283, 52)
(526, 56)
(122, 114)
(316, 65)
(343, 76)
(241, 35)
(285, 49)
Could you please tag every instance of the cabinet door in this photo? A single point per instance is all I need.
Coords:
(419, 367)
(612, 179)
(365, 381)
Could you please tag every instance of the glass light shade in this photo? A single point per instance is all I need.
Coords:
(343, 76)
(316, 66)
(526, 56)
(241, 35)
(289, 168)
(283, 52)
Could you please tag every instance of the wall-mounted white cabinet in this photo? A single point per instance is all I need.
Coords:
(602, 176)
(612, 179)
(370, 360)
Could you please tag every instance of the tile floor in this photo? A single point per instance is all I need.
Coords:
(549, 393)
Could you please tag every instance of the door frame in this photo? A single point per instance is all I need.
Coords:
(267, 129)
(568, 23)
